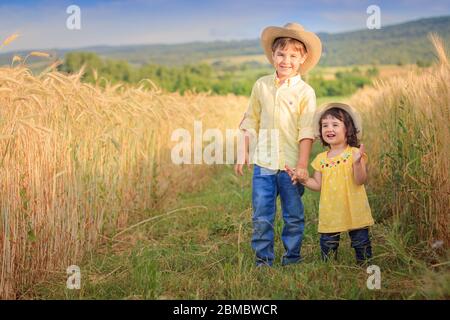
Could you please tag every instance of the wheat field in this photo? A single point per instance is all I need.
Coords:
(407, 130)
(77, 160)
(80, 162)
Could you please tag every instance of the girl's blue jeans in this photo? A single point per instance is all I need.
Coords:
(267, 185)
(360, 241)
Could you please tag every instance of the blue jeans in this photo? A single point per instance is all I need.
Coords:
(360, 241)
(266, 188)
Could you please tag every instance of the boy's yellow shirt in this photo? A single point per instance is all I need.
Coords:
(289, 109)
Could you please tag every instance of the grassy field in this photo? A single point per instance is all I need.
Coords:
(87, 179)
(199, 248)
(202, 251)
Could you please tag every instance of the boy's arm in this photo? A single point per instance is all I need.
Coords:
(246, 155)
(250, 126)
(304, 150)
(359, 166)
(252, 117)
(307, 109)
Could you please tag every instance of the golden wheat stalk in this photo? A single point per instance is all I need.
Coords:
(36, 54)
(439, 47)
(16, 58)
(9, 39)
(39, 54)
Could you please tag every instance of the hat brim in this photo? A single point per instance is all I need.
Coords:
(311, 40)
(357, 121)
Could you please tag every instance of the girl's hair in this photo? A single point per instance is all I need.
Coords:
(343, 116)
(283, 42)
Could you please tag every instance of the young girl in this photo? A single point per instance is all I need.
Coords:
(339, 175)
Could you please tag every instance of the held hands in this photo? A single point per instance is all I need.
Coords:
(357, 156)
(301, 174)
(297, 175)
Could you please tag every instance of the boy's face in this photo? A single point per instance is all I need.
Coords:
(333, 131)
(287, 61)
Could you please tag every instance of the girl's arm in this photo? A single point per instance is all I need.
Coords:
(313, 183)
(359, 166)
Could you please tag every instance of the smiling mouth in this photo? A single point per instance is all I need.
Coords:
(330, 136)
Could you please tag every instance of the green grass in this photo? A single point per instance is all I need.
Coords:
(200, 249)
(204, 253)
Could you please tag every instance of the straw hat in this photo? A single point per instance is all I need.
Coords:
(295, 31)
(350, 110)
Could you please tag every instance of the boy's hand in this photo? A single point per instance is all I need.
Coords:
(238, 169)
(301, 174)
(239, 166)
(358, 155)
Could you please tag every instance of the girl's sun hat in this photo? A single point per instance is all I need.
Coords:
(349, 109)
(296, 31)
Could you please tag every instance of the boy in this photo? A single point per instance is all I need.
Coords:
(280, 113)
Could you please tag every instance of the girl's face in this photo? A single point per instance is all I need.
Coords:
(287, 61)
(333, 131)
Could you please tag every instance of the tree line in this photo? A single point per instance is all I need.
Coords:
(217, 78)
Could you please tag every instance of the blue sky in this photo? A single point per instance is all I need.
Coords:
(42, 23)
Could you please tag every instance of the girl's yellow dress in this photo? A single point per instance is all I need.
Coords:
(343, 204)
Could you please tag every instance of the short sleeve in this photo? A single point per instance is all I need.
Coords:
(316, 163)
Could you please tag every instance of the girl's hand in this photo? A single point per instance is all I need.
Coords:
(358, 155)
(291, 173)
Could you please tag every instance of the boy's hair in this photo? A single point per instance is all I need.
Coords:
(342, 115)
(284, 41)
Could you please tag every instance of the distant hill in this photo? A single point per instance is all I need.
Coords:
(401, 43)
(395, 44)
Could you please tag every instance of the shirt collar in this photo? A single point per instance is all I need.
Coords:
(292, 81)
